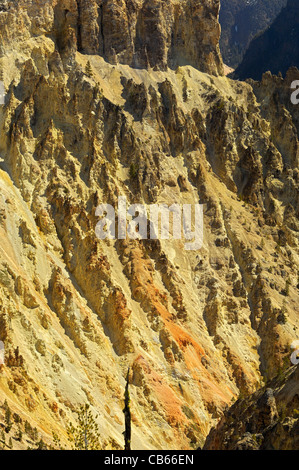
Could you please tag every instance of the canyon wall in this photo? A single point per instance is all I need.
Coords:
(154, 121)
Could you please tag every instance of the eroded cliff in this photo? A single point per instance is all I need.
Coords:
(268, 420)
(82, 125)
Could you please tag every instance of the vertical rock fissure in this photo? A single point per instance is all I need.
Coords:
(79, 28)
(101, 28)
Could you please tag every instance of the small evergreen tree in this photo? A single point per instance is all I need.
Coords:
(88, 70)
(8, 421)
(17, 419)
(41, 445)
(34, 434)
(85, 434)
(287, 287)
(28, 428)
(19, 434)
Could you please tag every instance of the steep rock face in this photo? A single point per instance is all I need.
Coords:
(276, 50)
(267, 420)
(152, 33)
(140, 33)
(241, 21)
(196, 327)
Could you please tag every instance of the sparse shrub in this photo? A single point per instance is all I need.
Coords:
(282, 317)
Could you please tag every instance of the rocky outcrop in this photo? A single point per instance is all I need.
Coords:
(267, 420)
(140, 33)
(153, 34)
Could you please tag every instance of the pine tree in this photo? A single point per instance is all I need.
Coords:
(34, 434)
(85, 434)
(287, 287)
(28, 428)
(19, 434)
(41, 445)
(2, 88)
(57, 442)
(88, 70)
(8, 421)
